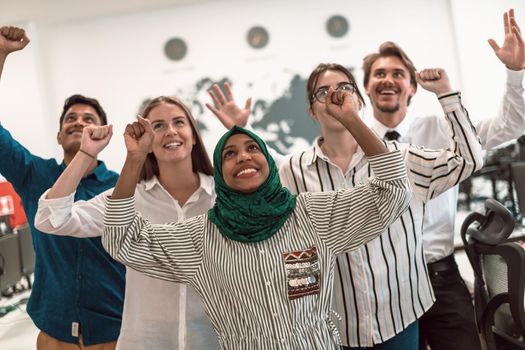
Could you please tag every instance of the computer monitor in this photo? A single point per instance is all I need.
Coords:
(518, 176)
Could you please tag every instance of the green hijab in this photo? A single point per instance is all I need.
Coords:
(249, 217)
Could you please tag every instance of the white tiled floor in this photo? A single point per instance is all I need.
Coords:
(17, 331)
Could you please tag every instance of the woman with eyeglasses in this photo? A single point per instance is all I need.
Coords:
(383, 285)
(261, 259)
(385, 282)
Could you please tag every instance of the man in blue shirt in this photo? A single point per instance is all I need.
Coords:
(78, 289)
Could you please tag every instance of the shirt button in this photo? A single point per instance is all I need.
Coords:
(261, 251)
(275, 315)
(268, 283)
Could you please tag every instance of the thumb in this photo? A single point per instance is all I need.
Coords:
(248, 104)
(145, 123)
(108, 132)
(419, 79)
(223, 118)
(88, 130)
(494, 45)
(25, 40)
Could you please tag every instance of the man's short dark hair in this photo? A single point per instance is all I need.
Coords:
(80, 99)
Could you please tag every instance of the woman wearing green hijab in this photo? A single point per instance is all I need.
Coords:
(261, 258)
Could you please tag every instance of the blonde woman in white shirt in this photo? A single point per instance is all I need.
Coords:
(157, 314)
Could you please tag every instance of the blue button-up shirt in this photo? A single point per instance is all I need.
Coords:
(75, 280)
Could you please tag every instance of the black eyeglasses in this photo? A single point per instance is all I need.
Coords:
(320, 95)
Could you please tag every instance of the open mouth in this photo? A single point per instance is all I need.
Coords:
(387, 91)
(75, 132)
(246, 172)
(173, 145)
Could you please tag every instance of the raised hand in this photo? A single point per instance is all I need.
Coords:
(95, 138)
(342, 106)
(434, 80)
(512, 53)
(228, 112)
(12, 39)
(138, 137)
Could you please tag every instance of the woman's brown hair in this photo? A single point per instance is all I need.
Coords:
(311, 85)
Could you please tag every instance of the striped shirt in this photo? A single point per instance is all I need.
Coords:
(383, 287)
(273, 294)
(432, 131)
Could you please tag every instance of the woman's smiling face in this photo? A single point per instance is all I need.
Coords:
(244, 165)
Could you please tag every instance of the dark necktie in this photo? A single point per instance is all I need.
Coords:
(392, 135)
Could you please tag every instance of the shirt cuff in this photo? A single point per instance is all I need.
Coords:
(119, 212)
(515, 77)
(59, 208)
(388, 166)
(450, 100)
(45, 202)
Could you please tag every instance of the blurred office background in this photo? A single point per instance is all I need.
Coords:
(123, 52)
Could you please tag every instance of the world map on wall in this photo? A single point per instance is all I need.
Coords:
(282, 121)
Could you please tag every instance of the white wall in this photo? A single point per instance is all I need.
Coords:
(23, 93)
(120, 59)
(482, 74)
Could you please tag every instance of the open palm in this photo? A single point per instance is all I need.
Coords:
(512, 53)
(226, 109)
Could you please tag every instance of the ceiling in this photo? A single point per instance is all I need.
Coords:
(49, 11)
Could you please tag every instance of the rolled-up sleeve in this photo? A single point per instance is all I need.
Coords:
(65, 217)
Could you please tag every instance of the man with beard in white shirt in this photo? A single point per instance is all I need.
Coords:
(390, 83)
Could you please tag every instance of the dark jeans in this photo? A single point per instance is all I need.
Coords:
(406, 340)
(450, 322)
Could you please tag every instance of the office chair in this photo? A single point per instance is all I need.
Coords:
(499, 273)
(27, 252)
(10, 267)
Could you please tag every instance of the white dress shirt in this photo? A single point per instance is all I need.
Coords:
(157, 314)
(432, 132)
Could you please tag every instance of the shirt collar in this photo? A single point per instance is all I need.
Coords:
(100, 173)
(206, 183)
(151, 183)
(314, 152)
(380, 129)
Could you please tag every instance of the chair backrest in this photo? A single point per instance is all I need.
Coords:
(499, 270)
(10, 267)
(27, 251)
